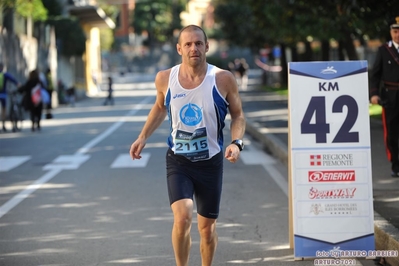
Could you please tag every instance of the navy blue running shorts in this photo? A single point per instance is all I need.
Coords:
(202, 179)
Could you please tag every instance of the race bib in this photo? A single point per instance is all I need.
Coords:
(192, 145)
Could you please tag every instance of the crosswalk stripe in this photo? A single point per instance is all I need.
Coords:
(10, 162)
(124, 161)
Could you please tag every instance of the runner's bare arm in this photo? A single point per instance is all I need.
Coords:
(228, 87)
(156, 115)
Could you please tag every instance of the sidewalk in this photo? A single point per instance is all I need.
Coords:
(267, 121)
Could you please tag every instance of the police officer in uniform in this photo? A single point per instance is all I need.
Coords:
(384, 90)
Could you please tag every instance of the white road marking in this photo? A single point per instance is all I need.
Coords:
(253, 156)
(10, 162)
(14, 201)
(63, 161)
(124, 161)
(67, 162)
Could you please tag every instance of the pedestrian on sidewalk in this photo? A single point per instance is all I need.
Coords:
(49, 89)
(33, 102)
(109, 98)
(385, 71)
(241, 69)
(196, 96)
(5, 77)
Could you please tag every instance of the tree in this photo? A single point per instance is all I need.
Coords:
(159, 18)
(106, 34)
(71, 40)
(290, 21)
(32, 9)
(287, 22)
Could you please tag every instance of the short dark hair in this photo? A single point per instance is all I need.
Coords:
(192, 27)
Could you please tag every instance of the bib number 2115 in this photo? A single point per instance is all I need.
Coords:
(320, 127)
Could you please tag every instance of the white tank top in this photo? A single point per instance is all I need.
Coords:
(196, 117)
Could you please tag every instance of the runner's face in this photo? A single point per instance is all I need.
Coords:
(395, 35)
(192, 47)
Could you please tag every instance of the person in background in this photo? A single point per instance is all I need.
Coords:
(35, 108)
(62, 97)
(5, 77)
(384, 90)
(196, 96)
(49, 89)
(71, 96)
(242, 73)
(109, 98)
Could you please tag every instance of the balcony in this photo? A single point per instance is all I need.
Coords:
(89, 13)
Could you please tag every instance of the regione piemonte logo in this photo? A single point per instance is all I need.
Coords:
(315, 160)
(332, 160)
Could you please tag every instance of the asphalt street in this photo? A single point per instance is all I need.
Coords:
(70, 195)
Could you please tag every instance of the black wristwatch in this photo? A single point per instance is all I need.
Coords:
(239, 143)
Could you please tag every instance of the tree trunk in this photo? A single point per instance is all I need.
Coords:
(350, 47)
(284, 66)
(294, 53)
(8, 19)
(341, 55)
(308, 56)
(347, 44)
(325, 50)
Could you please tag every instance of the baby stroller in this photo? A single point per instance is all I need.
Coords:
(16, 114)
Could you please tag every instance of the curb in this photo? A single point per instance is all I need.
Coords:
(386, 235)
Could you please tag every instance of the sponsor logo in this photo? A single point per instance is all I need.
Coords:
(315, 160)
(338, 193)
(331, 176)
(333, 209)
(191, 114)
(179, 95)
(329, 70)
(316, 209)
(331, 160)
(341, 208)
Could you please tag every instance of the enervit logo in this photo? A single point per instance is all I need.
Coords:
(331, 176)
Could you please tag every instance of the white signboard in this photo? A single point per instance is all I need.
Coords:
(330, 157)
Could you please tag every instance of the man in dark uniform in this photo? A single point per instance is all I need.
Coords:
(384, 90)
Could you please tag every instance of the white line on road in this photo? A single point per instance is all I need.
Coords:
(253, 156)
(112, 128)
(14, 201)
(8, 163)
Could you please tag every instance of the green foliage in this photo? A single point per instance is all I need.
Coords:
(235, 18)
(254, 23)
(106, 39)
(53, 7)
(159, 18)
(71, 40)
(7, 3)
(219, 62)
(27, 8)
(279, 90)
(110, 10)
(31, 8)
